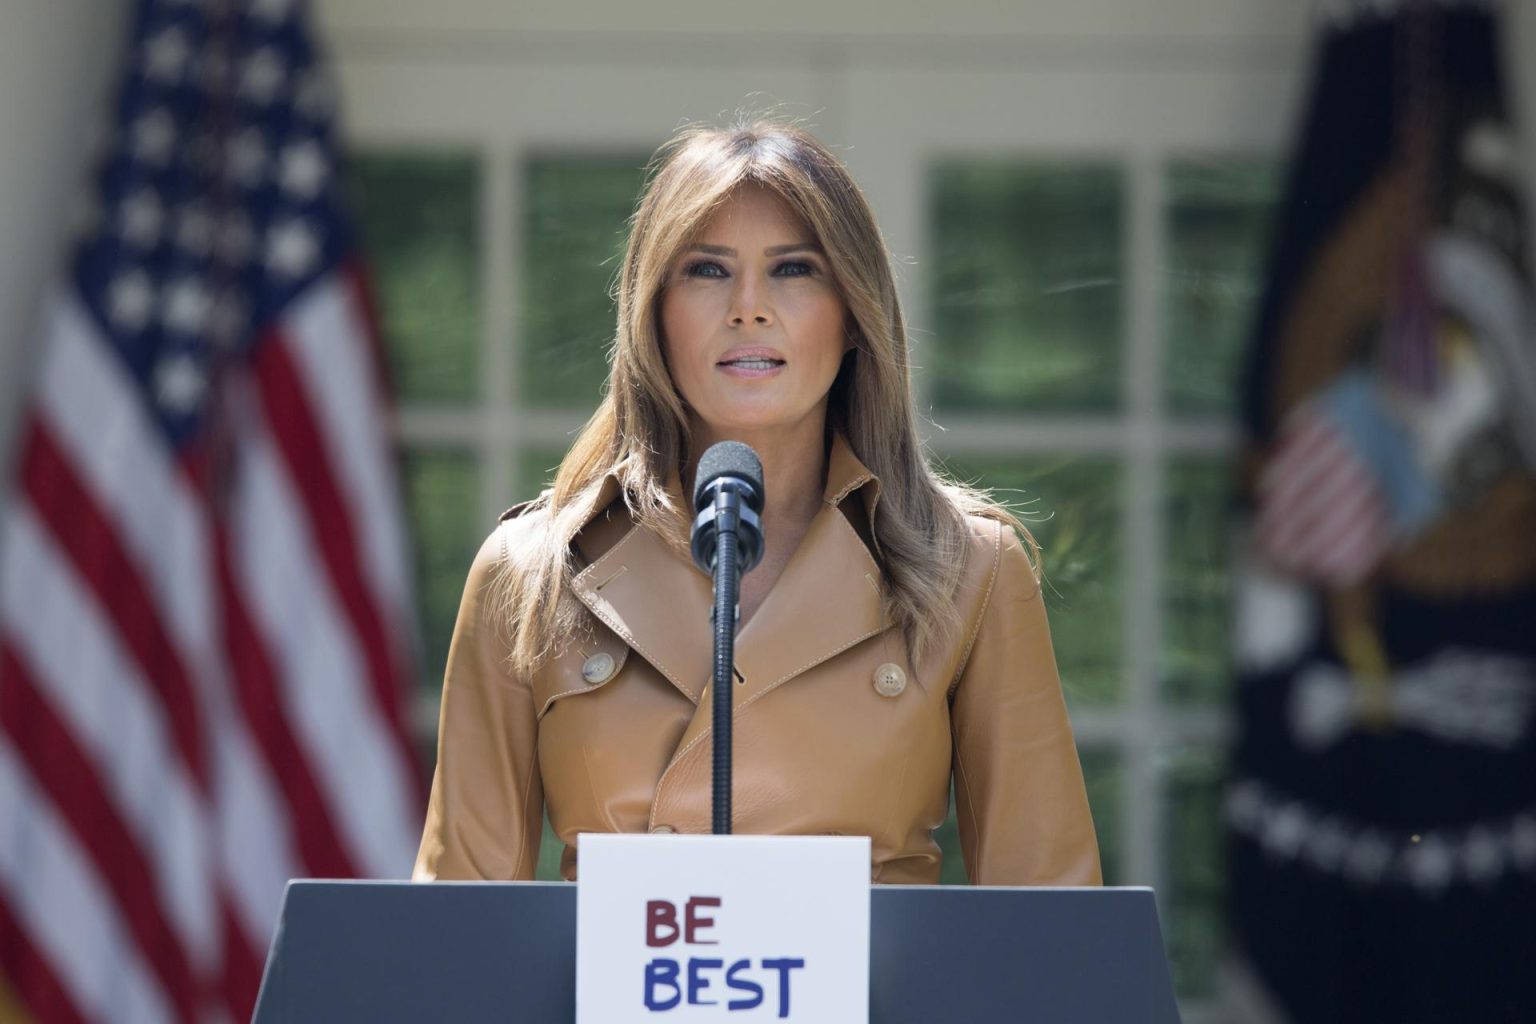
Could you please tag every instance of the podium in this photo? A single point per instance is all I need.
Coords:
(382, 952)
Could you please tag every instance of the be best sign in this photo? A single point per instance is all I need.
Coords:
(722, 928)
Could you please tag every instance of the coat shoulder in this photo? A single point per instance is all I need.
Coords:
(521, 530)
(997, 562)
(997, 552)
(515, 530)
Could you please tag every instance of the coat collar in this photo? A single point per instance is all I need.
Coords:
(659, 603)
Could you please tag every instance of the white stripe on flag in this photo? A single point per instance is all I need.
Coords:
(322, 673)
(326, 335)
(92, 408)
(254, 829)
(82, 672)
(58, 900)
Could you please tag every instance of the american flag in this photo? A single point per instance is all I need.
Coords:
(204, 587)
(1321, 515)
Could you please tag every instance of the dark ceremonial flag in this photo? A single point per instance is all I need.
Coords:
(1382, 805)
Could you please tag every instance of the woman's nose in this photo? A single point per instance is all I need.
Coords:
(748, 303)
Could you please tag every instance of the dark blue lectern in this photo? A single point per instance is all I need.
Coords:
(381, 952)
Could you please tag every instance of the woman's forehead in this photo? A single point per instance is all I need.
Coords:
(755, 209)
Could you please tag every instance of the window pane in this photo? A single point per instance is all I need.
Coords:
(1218, 224)
(535, 471)
(1101, 776)
(550, 850)
(1192, 897)
(1072, 506)
(443, 497)
(574, 233)
(417, 221)
(952, 867)
(1196, 659)
(1027, 284)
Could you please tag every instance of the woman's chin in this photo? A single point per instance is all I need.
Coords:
(750, 422)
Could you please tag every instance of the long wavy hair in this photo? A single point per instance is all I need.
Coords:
(639, 433)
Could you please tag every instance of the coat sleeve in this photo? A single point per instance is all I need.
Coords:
(486, 811)
(1021, 804)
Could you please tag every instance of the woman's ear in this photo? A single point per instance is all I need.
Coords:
(850, 335)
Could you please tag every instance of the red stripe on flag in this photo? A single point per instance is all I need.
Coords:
(299, 439)
(257, 694)
(242, 967)
(67, 775)
(31, 976)
(359, 284)
(84, 532)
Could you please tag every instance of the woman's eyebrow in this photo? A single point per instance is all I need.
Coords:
(780, 250)
(772, 250)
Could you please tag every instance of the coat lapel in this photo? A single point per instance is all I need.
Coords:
(826, 600)
(656, 602)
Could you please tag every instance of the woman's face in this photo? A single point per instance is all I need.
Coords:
(752, 322)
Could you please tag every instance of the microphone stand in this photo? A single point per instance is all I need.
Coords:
(724, 617)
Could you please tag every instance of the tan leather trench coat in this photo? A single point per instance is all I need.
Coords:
(835, 731)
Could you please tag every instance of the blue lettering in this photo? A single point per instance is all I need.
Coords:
(783, 965)
(661, 972)
(697, 984)
(743, 985)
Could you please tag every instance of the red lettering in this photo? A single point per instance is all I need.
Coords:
(661, 923)
(693, 921)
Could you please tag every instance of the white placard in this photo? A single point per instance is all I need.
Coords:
(722, 928)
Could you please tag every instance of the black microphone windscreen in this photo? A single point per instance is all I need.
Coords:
(728, 458)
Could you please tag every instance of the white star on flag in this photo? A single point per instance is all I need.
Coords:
(180, 383)
(303, 169)
(262, 76)
(140, 218)
(130, 299)
(186, 306)
(273, 12)
(248, 156)
(292, 248)
(152, 137)
(166, 55)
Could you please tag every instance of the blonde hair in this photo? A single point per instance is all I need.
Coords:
(639, 433)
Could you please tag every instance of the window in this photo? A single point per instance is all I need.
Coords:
(1079, 265)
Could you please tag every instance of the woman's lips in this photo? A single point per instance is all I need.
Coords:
(751, 362)
(750, 367)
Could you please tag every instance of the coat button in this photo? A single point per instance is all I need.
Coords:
(598, 668)
(663, 830)
(890, 680)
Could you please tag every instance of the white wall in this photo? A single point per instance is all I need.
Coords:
(56, 61)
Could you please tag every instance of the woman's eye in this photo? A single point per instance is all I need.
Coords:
(795, 268)
(704, 268)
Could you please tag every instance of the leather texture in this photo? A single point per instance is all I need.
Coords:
(836, 732)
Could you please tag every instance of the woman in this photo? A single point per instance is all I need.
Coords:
(893, 636)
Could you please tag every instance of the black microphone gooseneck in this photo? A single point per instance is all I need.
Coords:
(727, 542)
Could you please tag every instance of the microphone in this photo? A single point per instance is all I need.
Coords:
(727, 541)
(728, 495)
